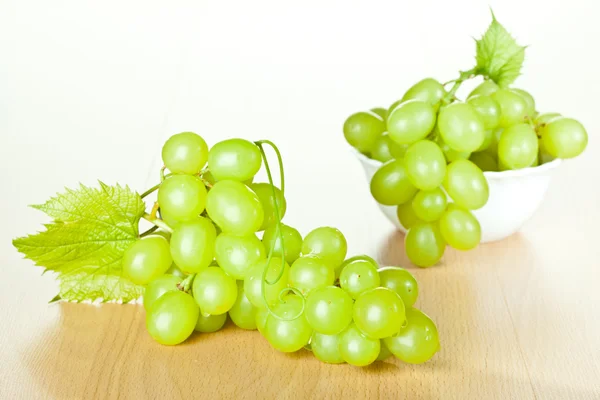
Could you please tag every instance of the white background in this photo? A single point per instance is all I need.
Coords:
(90, 90)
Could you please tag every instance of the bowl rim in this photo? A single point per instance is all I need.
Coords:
(495, 175)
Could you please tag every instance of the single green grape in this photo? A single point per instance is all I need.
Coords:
(488, 110)
(172, 318)
(253, 281)
(158, 287)
(543, 156)
(402, 282)
(381, 148)
(428, 90)
(265, 195)
(390, 184)
(210, 323)
(185, 153)
(362, 129)
(234, 208)
(182, 197)
(406, 215)
(488, 138)
(356, 348)
(379, 313)
(363, 257)
(326, 243)
(513, 107)
(466, 184)
(460, 228)
(359, 276)
(308, 273)
(382, 112)
(147, 259)
(175, 270)
(429, 205)
(329, 310)
(486, 88)
(292, 241)
(261, 319)
(326, 348)
(529, 101)
(418, 341)
(494, 140)
(545, 118)
(449, 152)
(193, 244)
(384, 353)
(410, 121)
(284, 333)
(214, 291)
(424, 244)
(425, 165)
(398, 150)
(236, 254)
(234, 159)
(564, 138)
(461, 127)
(243, 313)
(485, 161)
(518, 147)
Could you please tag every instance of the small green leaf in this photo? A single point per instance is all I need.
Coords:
(85, 243)
(499, 57)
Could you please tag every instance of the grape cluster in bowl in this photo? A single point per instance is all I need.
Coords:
(436, 148)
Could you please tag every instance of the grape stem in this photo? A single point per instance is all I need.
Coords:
(149, 191)
(157, 222)
(186, 284)
(464, 75)
(149, 231)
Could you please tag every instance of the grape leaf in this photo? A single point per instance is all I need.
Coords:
(85, 243)
(499, 57)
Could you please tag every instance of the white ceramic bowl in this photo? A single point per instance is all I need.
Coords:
(514, 198)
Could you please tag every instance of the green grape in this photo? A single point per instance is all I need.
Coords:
(466, 184)
(398, 150)
(261, 319)
(418, 341)
(326, 348)
(461, 127)
(518, 147)
(359, 276)
(265, 195)
(147, 259)
(243, 313)
(329, 310)
(363, 257)
(402, 282)
(513, 107)
(193, 244)
(564, 138)
(362, 129)
(356, 348)
(326, 243)
(185, 153)
(543, 156)
(288, 335)
(449, 152)
(488, 110)
(234, 208)
(429, 205)
(234, 159)
(214, 291)
(406, 215)
(494, 139)
(310, 272)
(545, 118)
(236, 254)
(381, 148)
(460, 228)
(174, 270)
(425, 165)
(384, 353)
(390, 184)
(292, 241)
(253, 281)
(424, 244)
(172, 318)
(486, 88)
(485, 161)
(182, 197)
(529, 101)
(382, 112)
(158, 287)
(428, 90)
(488, 138)
(379, 313)
(410, 121)
(210, 323)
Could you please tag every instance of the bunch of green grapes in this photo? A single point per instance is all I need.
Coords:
(434, 149)
(210, 263)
